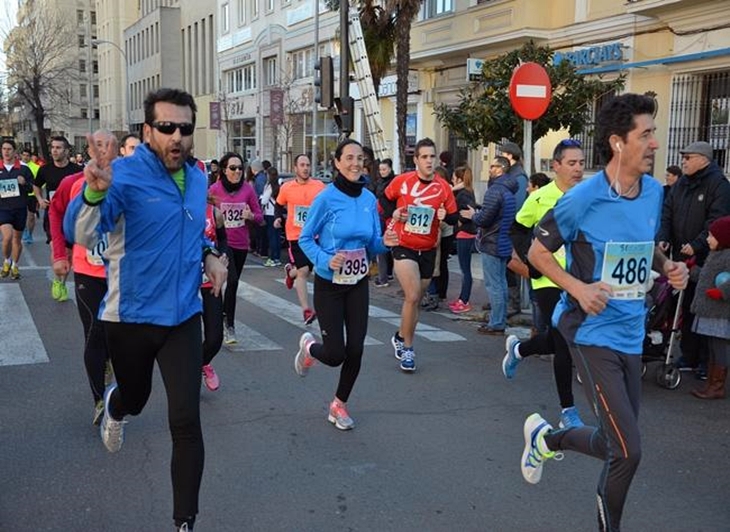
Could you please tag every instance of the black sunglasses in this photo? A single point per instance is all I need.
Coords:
(234, 168)
(168, 128)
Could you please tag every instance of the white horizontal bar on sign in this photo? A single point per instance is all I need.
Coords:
(21, 340)
(531, 91)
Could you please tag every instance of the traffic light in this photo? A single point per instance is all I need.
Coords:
(345, 117)
(318, 81)
(327, 82)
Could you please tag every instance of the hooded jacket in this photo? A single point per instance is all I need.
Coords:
(691, 205)
(156, 239)
(495, 217)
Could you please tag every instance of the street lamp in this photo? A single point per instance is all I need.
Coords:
(97, 42)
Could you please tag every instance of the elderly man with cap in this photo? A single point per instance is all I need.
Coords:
(699, 197)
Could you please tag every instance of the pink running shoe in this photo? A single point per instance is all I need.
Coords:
(289, 280)
(459, 307)
(210, 377)
(303, 360)
(339, 417)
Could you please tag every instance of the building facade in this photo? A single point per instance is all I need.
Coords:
(73, 111)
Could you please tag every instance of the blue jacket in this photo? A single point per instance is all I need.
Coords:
(340, 222)
(156, 240)
(495, 218)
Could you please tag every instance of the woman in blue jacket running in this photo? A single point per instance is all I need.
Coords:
(345, 220)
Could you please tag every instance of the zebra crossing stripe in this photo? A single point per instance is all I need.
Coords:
(251, 340)
(423, 330)
(21, 341)
(282, 308)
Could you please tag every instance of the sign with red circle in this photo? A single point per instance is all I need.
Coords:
(530, 91)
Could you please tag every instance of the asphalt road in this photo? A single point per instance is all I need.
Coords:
(437, 450)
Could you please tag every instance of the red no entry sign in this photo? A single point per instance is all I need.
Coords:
(530, 91)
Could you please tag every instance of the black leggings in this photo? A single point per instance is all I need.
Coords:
(341, 307)
(212, 324)
(235, 267)
(133, 348)
(612, 382)
(552, 342)
(89, 293)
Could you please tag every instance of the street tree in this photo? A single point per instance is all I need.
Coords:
(403, 11)
(39, 64)
(484, 113)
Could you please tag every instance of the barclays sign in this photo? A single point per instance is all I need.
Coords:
(596, 55)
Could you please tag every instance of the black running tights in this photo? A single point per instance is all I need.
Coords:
(134, 348)
(89, 293)
(235, 268)
(612, 383)
(341, 309)
(552, 342)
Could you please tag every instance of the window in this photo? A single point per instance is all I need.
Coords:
(80, 16)
(96, 92)
(84, 112)
(301, 63)
(254, 8)
(271, 72)
(82, 91)
(82, 41)
(242, 79)
(82, 65)
(434, 8)
(96, 114)
(95, 66)
(93, 17)
(241, 12)
(224, 19)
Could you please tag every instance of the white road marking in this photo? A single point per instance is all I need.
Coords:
(287, 311)
(21, 341)
(251, 340)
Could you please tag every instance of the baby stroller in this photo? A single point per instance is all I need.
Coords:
(663, 326)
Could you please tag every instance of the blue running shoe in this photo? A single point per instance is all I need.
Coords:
(536, 450)
(569, 419)
(511, 359)
(398, 346)
(408, 362)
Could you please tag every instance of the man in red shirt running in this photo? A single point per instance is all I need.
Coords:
(416, 202)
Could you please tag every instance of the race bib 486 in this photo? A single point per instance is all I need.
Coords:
(626, 267)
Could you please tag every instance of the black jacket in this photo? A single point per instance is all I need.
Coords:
(691, 205)
(465, 199)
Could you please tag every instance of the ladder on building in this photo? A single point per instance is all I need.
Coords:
(364, 80)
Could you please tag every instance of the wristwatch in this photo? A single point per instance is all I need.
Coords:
(211, 251)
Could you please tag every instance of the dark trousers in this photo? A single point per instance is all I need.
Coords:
(341, 309)
(133, 348)
(89, 293)
(612, 382)
(262, 240)
(440, 285)
(464, 249)
(552, 342)
(692, 345)
(274, 237)
(212, 324)
(235, 267)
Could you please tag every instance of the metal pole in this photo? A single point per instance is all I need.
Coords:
(527, 145)
(90, 67)
(128, 102)
(315, 105)
(344, 56)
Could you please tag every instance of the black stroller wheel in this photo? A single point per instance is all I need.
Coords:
(668, 376)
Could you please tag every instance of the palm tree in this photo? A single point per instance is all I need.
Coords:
(403, 11)
(378, 28)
